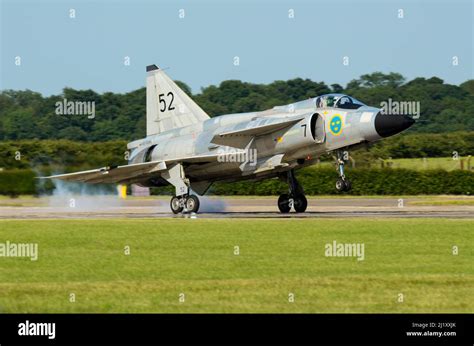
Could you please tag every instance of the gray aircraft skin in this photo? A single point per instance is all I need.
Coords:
(186, 148)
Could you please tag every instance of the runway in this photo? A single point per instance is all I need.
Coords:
(110, 207)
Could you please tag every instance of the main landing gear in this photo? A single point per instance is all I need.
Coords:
(182, 201)
(295, 198)
(187, 203)
(342, 184)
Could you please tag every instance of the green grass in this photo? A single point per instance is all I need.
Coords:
(195, 257)
(446, 163)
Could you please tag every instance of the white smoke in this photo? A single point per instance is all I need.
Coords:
(211, 205)
(82, 197)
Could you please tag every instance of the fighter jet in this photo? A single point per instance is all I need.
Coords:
(188, 149)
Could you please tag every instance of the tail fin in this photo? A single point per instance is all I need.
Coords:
(167, 106)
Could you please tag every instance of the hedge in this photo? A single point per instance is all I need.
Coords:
(18, 182)
(370, 181)
(316, 181)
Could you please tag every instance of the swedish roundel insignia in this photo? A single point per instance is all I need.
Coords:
(335, 125)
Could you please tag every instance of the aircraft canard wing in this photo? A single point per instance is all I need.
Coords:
(241, 137)
(125, 173)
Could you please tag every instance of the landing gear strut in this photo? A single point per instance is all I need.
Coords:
(342, 184)
(182, 200)
(295, 198)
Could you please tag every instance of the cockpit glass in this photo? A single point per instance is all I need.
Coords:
(344, 100)
(338, 101)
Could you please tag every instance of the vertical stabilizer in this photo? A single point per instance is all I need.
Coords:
(167, 106)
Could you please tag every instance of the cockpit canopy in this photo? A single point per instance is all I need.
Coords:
(338, 101)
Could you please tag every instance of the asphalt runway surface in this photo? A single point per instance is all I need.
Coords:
(111, 207)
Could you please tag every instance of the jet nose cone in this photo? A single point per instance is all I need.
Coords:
(388, 124)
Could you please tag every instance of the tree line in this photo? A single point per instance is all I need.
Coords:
(318, 181)
(29, 115)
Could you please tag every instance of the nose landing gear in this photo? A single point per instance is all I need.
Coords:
(342, 184)
(295, 198)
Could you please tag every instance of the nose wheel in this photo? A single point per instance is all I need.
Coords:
(343, 185)
(294, 199)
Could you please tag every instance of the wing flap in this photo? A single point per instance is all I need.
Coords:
(111, 174)
(127, 172)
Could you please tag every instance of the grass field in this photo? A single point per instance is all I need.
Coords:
(277, 257)
(445, 163)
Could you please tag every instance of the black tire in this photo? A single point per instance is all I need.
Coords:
(300, 203)
(284, 203)
(175, 205)
(348, 184)
(192, 204)
(340, 185)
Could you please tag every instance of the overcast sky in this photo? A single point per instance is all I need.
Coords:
(90, 50)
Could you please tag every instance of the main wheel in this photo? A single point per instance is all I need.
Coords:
(300, 203)
(176, 206)
(192, 204)
(284, 203)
